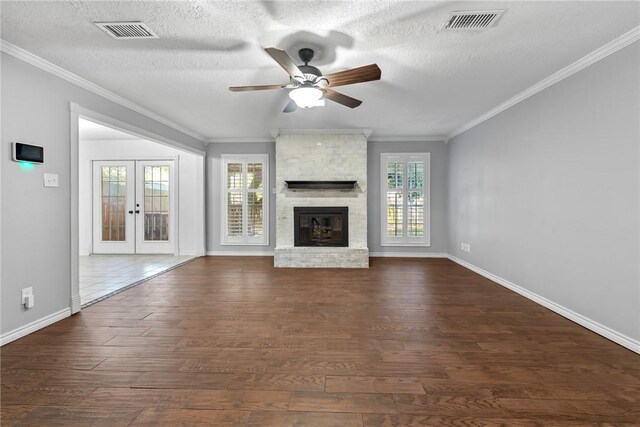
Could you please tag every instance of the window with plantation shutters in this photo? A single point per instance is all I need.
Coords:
(405, 199)
(245, 199)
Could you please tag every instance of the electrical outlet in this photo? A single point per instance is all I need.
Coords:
(466, 247)
(51, 180)
(27, 298)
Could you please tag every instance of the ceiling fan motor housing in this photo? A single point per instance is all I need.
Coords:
(306, 55)
(310, 72)
(310, 69)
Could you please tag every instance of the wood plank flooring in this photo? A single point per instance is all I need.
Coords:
(235, 342)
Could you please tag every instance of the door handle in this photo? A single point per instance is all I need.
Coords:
(131, 212)
(137, 211)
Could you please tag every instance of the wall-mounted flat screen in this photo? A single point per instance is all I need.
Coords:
(27, 153)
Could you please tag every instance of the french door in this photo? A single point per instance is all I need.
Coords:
(134, 207)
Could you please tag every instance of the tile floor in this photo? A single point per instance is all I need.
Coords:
(102, 275)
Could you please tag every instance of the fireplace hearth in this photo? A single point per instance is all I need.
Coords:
(321, 226)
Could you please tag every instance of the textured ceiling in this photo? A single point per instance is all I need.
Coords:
(433, 81)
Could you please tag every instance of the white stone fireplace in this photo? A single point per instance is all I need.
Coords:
(321, 157)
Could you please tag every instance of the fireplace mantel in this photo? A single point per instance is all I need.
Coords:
(321, 185)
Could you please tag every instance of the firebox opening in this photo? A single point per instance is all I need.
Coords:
(321, 226)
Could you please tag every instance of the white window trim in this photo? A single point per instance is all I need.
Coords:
(244, 240)
(405, 241)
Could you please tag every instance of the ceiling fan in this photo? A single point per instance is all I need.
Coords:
(309, 86)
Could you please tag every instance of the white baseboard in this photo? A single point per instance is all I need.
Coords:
(617, 337)
(239, 253)
(76, 304)
(34, 326)
(408, 254)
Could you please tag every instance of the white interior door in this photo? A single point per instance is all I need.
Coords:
(134, 207)
(113, 207)
(155, 207)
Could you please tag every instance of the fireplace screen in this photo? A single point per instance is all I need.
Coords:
(321, 226)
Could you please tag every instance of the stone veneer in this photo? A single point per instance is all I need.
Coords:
(321, 158)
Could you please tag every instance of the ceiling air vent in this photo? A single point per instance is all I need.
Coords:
(127, 30)
(473, 19)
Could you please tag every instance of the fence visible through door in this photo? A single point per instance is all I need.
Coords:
(134, 207)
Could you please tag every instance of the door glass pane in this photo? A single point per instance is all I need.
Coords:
(156, 203)
(254, 214)
(394, 214)
(415, 214)
(234, 214)
(394, 175)
(114, 202)
(114, 175)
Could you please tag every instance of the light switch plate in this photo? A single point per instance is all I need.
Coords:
(51, 180)
(27, 291)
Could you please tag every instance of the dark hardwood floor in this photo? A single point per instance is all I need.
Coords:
(233, 341)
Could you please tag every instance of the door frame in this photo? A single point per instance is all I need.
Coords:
(75, 113)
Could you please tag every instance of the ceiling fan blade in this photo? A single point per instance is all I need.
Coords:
(366, 73)
(345, 100)
(291, 107)
(262, 87)
(285, 61)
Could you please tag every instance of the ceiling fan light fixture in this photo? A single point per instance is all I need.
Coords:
(308, 87)
(307, 97)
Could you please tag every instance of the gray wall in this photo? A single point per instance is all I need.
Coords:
(36, 220)
(438, 187)
(547, 193)
(213, 203)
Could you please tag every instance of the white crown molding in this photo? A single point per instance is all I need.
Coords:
(43, 64)
(232, 140)
(34, 326)
(277, 132)
(426, 138)
(578, 318)
(593, 57)
(236, 140)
